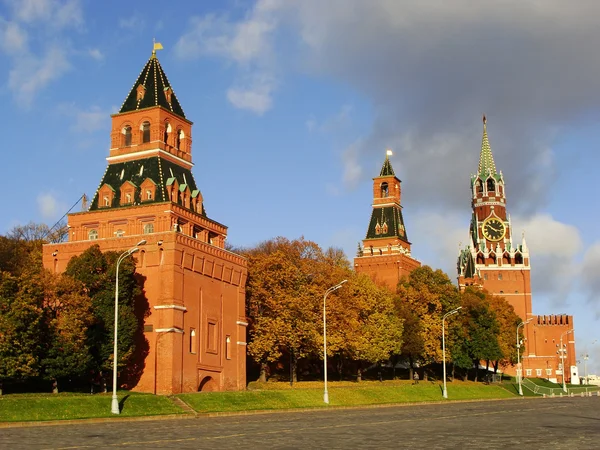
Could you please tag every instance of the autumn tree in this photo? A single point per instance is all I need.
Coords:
(422, 299)
(507, 325)
(283, 301)
(367, 330)
(21, 325)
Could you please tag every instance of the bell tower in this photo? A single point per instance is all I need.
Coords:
(195, 325)
(491, 259)
(385, 252)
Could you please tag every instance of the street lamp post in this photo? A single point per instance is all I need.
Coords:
(454, 311)
(562, 357)
(519, 368)
(586, 356)
(327, 292)
(115, 401)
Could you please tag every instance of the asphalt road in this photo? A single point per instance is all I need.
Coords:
(558, 423)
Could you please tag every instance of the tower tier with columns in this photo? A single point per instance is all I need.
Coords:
(495, 260)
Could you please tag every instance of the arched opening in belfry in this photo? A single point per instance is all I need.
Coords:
(145, 132)
(491, 185)
(384, 190)
(479, 186)
(166, 133)
(127, 136)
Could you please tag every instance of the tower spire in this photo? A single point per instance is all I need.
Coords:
(486, 159)
(386, 169)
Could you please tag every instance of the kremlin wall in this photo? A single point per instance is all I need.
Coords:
(196, 289)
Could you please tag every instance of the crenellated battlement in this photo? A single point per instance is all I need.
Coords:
(554, 319)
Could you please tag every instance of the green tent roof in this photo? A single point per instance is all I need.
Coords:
(156, 86)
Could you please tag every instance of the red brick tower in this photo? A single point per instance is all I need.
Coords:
(385, 252)
(195, 288)
(492, 261)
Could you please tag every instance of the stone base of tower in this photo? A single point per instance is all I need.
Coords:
(386, 269)
(196, 326)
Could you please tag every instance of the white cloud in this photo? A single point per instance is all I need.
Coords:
(336, 122)
(436, 237)
(30, 73)
(135, 22)
(92, 120)
(247, 43)
(257, 99)
(39, 25)
(57, 14)
(96, 54)
(590, 274)
(352, 168)
(554, 247)
(13, 38)
(49, 207)
(85, 120)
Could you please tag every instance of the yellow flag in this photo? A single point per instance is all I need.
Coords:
(158, 46)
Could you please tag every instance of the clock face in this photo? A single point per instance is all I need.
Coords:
(493, 229)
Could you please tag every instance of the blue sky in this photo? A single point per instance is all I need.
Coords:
(295, 102)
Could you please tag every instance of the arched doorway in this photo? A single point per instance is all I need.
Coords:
(208, 384)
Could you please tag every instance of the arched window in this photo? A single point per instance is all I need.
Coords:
(491, 185)
(148, 194)
(228, 347)
(128, 198)
(119, 233)
(166, 133)
(106, 201)
(148, 228)
(93, 235)
(384, 190)
(192, 340)
(127, 136)
(479, 186)
(518, 259)
(179, 138)
(145, 132)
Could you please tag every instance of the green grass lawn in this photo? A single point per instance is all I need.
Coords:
(30, 407)
(269, 396)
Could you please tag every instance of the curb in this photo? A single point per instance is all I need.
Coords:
(201, 415)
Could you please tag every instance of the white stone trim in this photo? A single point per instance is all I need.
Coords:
(241, 343)
(169, 330)
(112, 159)
(178, 307)
(381, 205)
(239, 322)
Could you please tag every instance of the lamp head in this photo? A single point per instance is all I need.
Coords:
(134, 250)
(142, 242)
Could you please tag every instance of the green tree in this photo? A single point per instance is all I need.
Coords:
(96, 271)
(481, 328)
(69, 315)
(422, 299)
